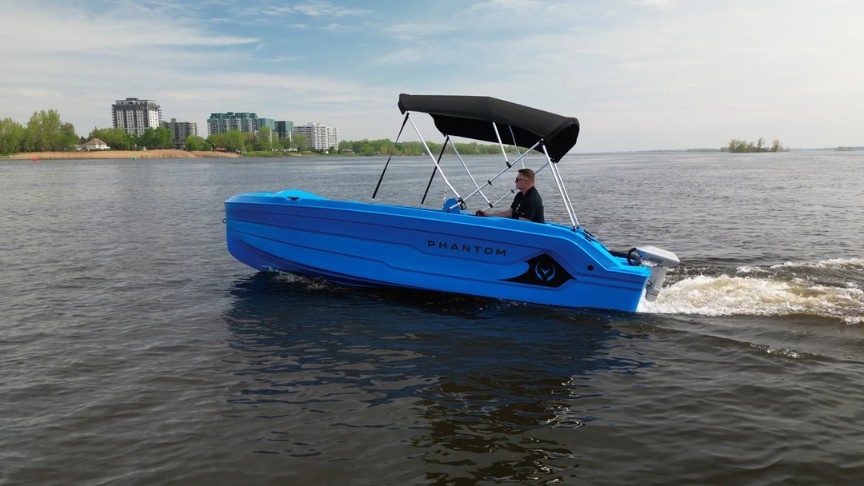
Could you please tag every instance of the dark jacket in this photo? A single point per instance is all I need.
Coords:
(528, 206)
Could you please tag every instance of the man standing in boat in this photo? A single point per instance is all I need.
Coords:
(527, 205)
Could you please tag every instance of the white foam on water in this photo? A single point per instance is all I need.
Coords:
(309, 282)
(726, 295)
(832, 263)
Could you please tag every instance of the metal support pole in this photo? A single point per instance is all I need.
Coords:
(434, 161)
(378, 186)
(562, 190)
(489, 182)
(435, 170)
(470, 175)
(513, 136)
(500, 143)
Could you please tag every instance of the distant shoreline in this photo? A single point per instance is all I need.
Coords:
(202, 154)
(119, 154)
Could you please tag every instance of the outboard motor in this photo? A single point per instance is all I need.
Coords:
(658, 261)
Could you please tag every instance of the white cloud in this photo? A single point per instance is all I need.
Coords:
(67, 30)
(315, 9)
(649, 74)
(415, 32)
(509, 6)
(663, 4)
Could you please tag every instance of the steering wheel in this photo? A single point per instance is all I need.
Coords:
(633, 258)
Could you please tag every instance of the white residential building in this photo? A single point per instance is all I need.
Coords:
(135, 116)
(95, 144)
(318, 136)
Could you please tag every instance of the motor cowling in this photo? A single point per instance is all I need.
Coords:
(658, 260)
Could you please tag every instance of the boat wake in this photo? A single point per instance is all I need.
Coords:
(830, 288)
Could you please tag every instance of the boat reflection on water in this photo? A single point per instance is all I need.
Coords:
(450, 387)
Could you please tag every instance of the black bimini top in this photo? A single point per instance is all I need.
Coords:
(472, 117)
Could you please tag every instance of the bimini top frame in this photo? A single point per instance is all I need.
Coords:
(493, 120)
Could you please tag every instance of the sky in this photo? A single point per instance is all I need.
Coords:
(638, 74)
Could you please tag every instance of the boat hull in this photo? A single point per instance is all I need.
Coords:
(380, 245)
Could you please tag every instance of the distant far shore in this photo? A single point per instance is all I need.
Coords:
(120, 154)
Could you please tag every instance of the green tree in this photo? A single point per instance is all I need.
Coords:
(156, 138)
(11, 136)
(264, 139)
(194, 142)
(46, 132)
(234, 140)
(286, 143)
(367, 149)
(250, 141)
(216, 140)
(300, 142)
(68, 138)
(116, 138)
(35, 138)
(387, 147)
(413, 148)
(468, 148)
(741, 146)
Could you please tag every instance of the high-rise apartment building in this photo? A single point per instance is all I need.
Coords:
(180, 131)
(267, 123)
(222, 122)
(318, 136)
(135, 116)
(284, 128)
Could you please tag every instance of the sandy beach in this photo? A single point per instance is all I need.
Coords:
(120, 154)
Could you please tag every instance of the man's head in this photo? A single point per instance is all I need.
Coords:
(525, 179)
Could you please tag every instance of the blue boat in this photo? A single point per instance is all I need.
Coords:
(449, 249)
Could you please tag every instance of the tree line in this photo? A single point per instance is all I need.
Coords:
(741, 146)
(388, 147)
(46, 132)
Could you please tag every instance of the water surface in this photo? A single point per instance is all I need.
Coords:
(135, 350)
